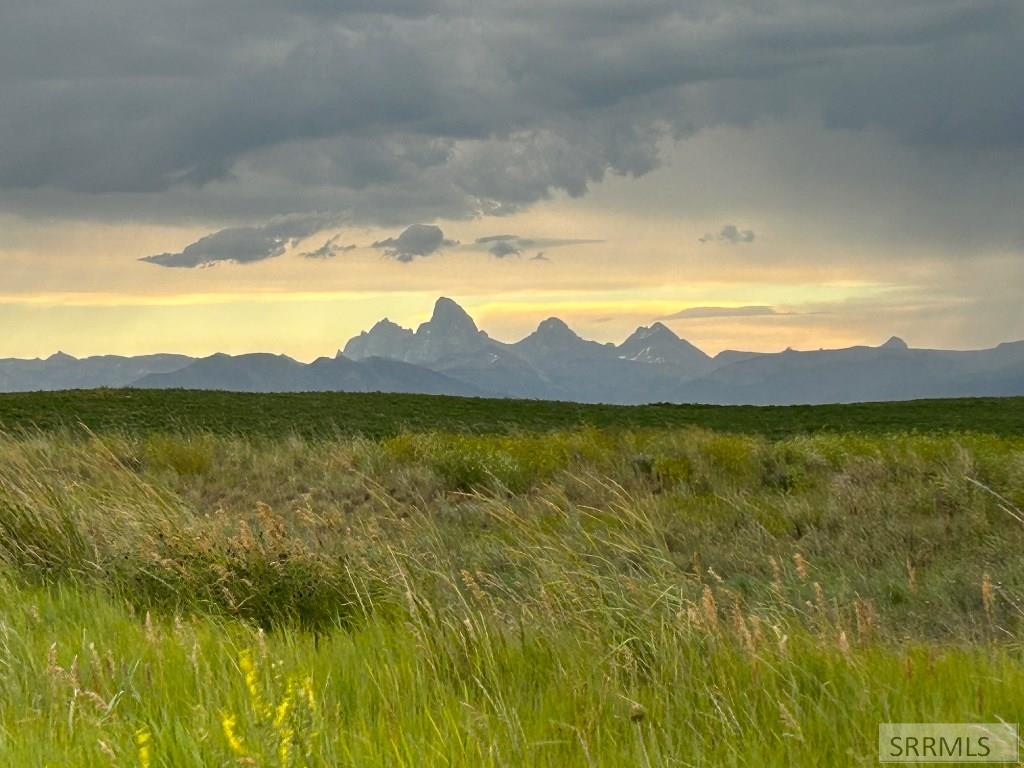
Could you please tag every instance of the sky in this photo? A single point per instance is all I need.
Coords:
(267, 175)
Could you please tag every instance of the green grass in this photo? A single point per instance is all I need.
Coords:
(376, 415)
(586, 596)
(84, 675)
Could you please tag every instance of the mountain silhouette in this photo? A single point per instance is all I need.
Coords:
(449, 332)
(658, 345)
(279, 373)
(449, 354)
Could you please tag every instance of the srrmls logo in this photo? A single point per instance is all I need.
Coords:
(948, 743)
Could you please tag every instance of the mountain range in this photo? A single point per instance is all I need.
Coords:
(450, 355)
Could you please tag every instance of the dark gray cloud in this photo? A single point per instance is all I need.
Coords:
(329, 249)
(243, 245)
(730, 233)
(404, 110)
(697, 313)
(240, 245)
(503, 246)
(415, 241)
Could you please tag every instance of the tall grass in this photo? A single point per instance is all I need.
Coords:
(589, 597)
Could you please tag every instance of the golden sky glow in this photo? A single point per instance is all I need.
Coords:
(79, 286)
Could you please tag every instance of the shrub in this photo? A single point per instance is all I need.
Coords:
(183, 454)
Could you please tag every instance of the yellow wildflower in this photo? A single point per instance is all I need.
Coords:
(281, 714)
(307, 688)
(142, 737)
(245, 662)
(284, 748)
(227, 723)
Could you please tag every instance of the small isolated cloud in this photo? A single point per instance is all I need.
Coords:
(503, 246)
(243, 245)
(731, 234)
(328, 250)
(693, 313)
(415, 240)
(540, 256)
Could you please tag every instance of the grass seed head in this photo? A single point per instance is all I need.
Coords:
(801, 566)
(710, 608)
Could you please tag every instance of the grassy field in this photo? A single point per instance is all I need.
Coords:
(486, 594)
(331, 414)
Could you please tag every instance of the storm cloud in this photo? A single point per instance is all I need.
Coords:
(415, 241)
(420, 109)
(242, 245)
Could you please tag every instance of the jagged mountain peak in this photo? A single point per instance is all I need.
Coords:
(895, 342)
(385, 339)
(659, 344)
(555, 327)
(448, 315)
(553, 333)
(554, 341)
(660, 328)
(449, 332)
(656, 331)
(61, 357)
